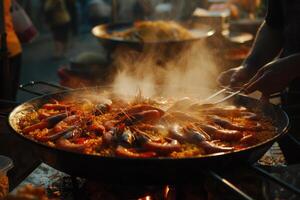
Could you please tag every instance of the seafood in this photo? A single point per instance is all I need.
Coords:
(148, 116)
(162, 147)
(139, 108)
(229, 125)
(201, 139)
(221, 134)
(124, 152)
(50, 106)
(46, 123)
(58, 135)
(144, 128)
(102, 108)
(67, 145)
(65, 123)
(180, 116)
(127, 138)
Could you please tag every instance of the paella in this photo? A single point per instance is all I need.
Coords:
(110, 125)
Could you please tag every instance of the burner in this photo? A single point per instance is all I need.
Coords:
(252, 182)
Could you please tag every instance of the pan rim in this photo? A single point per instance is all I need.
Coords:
(281, 133)
(99, 31)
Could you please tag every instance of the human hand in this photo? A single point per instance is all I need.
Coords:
(272, 78)
(236, 77)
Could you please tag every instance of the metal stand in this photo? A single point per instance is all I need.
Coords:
(75, 188)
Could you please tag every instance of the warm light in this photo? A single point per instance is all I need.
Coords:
(166, 192)
(148, 197)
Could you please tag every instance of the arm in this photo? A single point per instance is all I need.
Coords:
(266, 47)
(269, 40)
(275, 76)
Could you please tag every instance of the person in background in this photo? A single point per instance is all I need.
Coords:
(239, 8)
(58, 18)
(248, 6)
(142, 9)
(9, 80)
(274, 65)
(72, 9)
(99, 12)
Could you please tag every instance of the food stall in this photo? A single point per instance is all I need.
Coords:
(145, 120)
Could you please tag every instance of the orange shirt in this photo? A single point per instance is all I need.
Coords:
(13, 43)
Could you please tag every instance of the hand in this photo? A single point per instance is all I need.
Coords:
(236, 77)
(272, 78)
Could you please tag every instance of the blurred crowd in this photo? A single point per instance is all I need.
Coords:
(65, 19)
(100, 11)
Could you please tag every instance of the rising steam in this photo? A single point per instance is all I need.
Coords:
(177, 72)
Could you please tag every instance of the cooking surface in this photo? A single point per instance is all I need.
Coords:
(60, 184)
(141, 119)
(250, 183)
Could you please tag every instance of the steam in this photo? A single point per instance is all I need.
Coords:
(175, 72)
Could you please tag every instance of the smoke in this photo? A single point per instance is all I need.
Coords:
(170, 70)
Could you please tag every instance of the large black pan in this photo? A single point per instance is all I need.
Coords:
(102, 32)
(126, 169)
